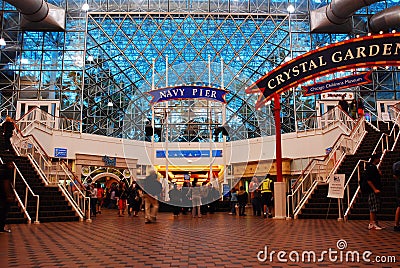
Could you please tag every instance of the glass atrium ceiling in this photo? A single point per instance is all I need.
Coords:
(101, 67)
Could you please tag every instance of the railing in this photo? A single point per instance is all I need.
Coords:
(382, 147)
(319, 170)
(47, 121)
(52, 173)
(326, 121)
(78, 198)
(25, 211)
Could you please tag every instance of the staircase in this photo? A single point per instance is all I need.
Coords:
(388, 208)
(319, 206)
(53, 206)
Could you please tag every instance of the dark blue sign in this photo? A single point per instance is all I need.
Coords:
(187, 92)
(109, 161)
(345, 82)
(188, 153)
(60, 152)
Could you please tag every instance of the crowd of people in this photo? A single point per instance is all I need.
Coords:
(261, 198)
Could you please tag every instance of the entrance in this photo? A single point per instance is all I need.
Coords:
(51, 107)
(331, 99)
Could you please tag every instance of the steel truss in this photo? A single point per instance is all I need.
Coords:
(101, 67)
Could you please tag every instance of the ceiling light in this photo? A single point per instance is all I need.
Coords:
(85, 7)
(290, 8)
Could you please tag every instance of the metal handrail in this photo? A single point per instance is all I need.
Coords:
(347, 187)
(63, 186)
(311, 176)
(25, 211)
(396, 121)
(325, 121)
(30, 147)
(48, 121)
(38, 169)
(28, 188)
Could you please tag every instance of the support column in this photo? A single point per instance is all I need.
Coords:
(279, 185)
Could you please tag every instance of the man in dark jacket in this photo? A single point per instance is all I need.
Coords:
(242, 197)
(6, 194)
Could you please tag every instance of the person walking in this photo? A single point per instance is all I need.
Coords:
(123, 196)
(100, 198)
(152, 189)
(8, 129)
(242, 197)
(373, 177)
(195, 193)
(255, 196)
(6, 194)
(233, 201)
(267, 189)
(175, 196)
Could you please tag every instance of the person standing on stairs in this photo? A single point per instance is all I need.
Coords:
(8, 129)
(373, 176)
(344, 105)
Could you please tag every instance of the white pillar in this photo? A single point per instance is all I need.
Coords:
(280, 200)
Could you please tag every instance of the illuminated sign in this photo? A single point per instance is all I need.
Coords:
(368, 51)
(188, 153)
(187, 92)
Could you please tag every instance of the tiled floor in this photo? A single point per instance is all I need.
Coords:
(215, 240)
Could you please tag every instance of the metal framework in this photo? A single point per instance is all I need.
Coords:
(100, 68)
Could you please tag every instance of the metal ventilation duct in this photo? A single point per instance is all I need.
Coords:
(334, 18)
(385, 20)
(39, 15)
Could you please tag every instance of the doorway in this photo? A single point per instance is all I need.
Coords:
(50, 107)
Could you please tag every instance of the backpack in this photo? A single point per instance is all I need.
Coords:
(363, 183)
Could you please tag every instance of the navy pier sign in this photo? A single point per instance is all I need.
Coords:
(187, 92)
(368, 51)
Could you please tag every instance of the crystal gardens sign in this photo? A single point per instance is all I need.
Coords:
(368, 51)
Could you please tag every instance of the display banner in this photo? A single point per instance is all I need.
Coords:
(187, 92)
(336, 84)
(336, 186)
(368, 51)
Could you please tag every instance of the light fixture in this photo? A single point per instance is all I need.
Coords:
(2, 42)
(85, 7)
(290, 8)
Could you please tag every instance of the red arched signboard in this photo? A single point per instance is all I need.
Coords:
(369, 51)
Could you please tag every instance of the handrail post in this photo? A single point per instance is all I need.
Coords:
(37, 212)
